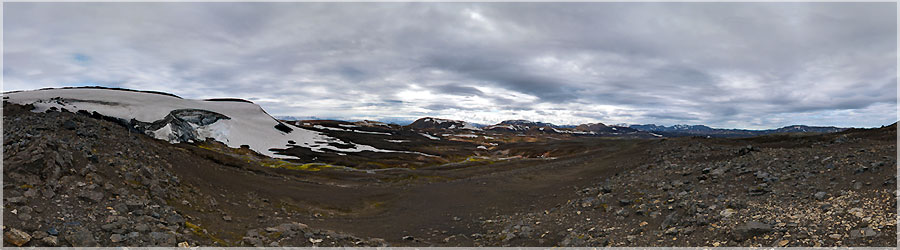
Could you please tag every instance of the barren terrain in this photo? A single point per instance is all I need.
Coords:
(74, 180)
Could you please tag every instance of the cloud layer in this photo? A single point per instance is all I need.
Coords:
(736, 65)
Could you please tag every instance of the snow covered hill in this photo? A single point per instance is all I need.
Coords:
(438, 123)
(168, 117)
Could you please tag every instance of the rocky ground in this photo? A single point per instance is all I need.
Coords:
(775, 191)
(72, 180)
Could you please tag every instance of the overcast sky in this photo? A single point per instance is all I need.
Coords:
(757, 65)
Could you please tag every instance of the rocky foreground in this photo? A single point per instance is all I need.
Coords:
(775, 191)
(71, 180)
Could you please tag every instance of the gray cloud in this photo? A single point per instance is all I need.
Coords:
(457, 89)
(672, 116)
(746, 65)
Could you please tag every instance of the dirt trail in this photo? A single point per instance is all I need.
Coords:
(419, 210)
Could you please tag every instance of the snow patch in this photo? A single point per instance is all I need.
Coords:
(248, 125)
(164, 133)
(429, 136)
(350, 130)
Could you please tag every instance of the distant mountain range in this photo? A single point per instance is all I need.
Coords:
(529, 127)
(702, 130)
(645, 130)
(526, 126)
(596, 128)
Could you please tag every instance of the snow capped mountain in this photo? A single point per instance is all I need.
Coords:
(509, 127)
(804, 128)
(520, 125)
(528, 123)
(168, 117)
(673, 128)
(541, 127)
(438, 123)
(602, 128)
(682, 130)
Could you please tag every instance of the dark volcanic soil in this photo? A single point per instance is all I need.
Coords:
(70, 180)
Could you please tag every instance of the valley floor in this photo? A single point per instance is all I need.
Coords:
(70, 180)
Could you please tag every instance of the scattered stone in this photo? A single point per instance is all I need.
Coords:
(50, 241)
(39, 234)
(587, 202)
(121, 208)
(162, 239)
(116, 238)
(80, 237)
(15, 200)
(109, 227)
(30, 193)
(783, 243)
(727, 212)
(622, 212)
(134, 204)
(760, 189)
(92, 196)
(670, 220)
(858, 212)
(175, 219)
(863, 233)
(16, 237)
(24, 217)
(820, 195)
(750, 229)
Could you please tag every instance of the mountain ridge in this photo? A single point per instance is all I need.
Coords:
(513, 125)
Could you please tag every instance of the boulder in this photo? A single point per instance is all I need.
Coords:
(820, 195)
(162, 239)
(749, 230)
(862, 233)
(16, 237)
(81, 238)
